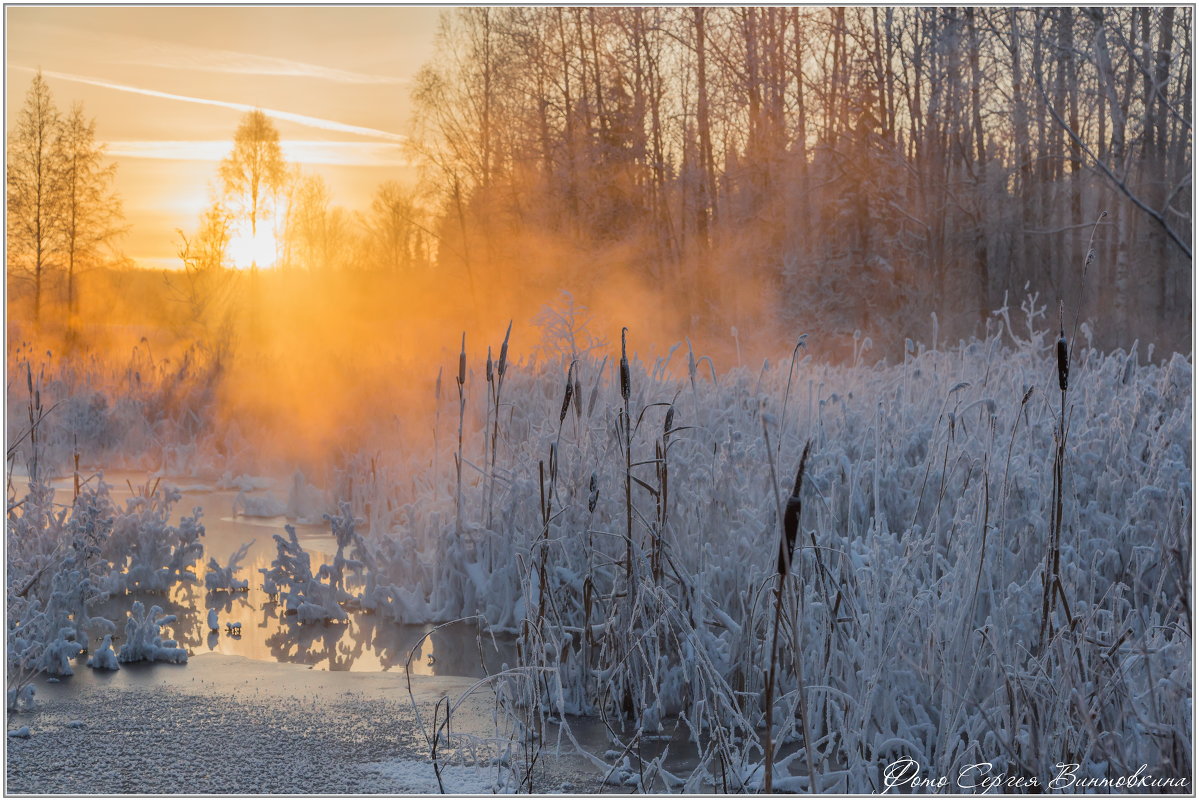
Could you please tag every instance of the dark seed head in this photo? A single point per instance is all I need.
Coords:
(503, 365)
(624, 364)
(791, 515)
(570, 391)
(1063, 363)
(462, 362)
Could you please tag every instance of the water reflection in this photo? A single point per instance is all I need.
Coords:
(366, 642)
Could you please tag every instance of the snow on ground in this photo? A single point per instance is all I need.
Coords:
(226, 725)
(418, 776)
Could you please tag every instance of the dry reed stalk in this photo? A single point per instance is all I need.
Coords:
(791, 517)
(501, 369)
(461, 378)
(626, 423)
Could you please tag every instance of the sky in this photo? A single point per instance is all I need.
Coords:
(167, 87)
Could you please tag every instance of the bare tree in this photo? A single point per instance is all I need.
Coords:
(255, 171)
(34, 202)
(866, 162)
(90, 210)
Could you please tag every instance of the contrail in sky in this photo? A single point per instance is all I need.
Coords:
(299, 119)
(124, 48)
(138, 50)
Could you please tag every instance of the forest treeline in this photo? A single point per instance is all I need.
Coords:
(837, 168)
(734, 175)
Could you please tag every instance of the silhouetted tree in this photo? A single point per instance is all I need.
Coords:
(90, 211)
(34, 198)
(255, 171)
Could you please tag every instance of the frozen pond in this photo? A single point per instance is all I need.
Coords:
(366, 642)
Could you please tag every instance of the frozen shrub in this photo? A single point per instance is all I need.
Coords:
(54, 572)
(147, 553)
(258, 505)
(104, 658)
(305, 503)
(306, 595)
(221, 578)
(144, 643)
(20, 698)
(346, 536)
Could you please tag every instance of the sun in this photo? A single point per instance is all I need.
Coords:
(247, 250)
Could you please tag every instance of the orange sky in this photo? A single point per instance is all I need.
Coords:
(167, 86)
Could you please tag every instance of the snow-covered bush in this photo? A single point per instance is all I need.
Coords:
(55, 573)
(266, 505)
(20, 696)
(306, 503)
(104, 658)
(143, 640)
(147, 553)
(222, 578)
(310, 597)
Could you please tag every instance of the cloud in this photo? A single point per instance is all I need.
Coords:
(287, 116)
(303, 151)
(143, 52)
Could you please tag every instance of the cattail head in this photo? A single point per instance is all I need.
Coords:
(791, 514)
(1063, 363)
(593, 498)
(490, 371)
(503, 365)
(566, 396)
(624, 364)
(1063, 350)
(578, 398)
(462, 362)
(437, 387)
(668, 424)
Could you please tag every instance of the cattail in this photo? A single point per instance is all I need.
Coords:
(791, 514)
(490, 375)
(503, 365)
(1063, 362)
(624, 364)
(593, 498)
(578, 398)
(462, 362)
(570, 391)
(668, 425)
(437, 388)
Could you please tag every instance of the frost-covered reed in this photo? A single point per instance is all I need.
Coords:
(636, 559)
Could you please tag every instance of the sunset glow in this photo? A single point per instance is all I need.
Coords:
(716, 399)
(247, 250)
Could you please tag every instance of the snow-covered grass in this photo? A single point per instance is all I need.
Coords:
(928, 611)
(146, 412)
(624, 523)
